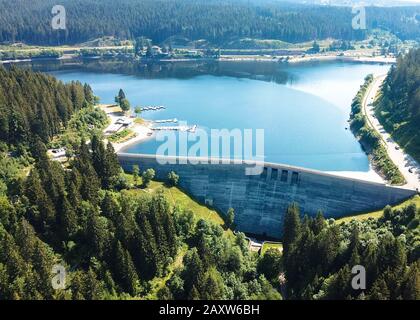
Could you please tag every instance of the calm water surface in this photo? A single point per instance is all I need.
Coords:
(302, 108)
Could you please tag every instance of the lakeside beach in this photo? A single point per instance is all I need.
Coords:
(141, 131)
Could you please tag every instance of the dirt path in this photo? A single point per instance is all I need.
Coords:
(403, 161)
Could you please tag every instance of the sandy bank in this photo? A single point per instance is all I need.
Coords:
(141, 131)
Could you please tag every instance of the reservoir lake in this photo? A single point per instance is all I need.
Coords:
(303, 108)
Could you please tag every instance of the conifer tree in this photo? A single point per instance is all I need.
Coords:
(379, 290)
(291, 226)
(42, 213)
(67, 220)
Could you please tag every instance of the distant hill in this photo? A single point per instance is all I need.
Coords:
(217, 21)
(350, 3)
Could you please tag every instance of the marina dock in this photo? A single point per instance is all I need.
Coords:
(176, 128)
(175, 120)
(152, 108)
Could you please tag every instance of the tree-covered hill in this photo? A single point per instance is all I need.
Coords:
(398, 107)
(217, 21)
(36, 104)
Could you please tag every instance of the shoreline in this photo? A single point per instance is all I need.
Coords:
(402, 160)
(293, 59)
(345, 58)
(141, 135)
(142, 132)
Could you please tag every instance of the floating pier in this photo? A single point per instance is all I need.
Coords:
(152, 108)
(176, 128)
(175, 120)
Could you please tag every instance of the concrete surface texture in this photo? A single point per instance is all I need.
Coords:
(260, 201)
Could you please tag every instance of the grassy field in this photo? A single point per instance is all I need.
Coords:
(378, 214)
(122, 136)
(181, 199)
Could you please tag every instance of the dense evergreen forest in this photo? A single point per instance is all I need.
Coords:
(398, 107)
(217, 21)
(36, 104)
(319, 255)
(118, 243)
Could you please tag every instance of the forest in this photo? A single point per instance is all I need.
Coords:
(398, 107)
(117, 242)
(217, 21)
(319, 255)
(33, 104)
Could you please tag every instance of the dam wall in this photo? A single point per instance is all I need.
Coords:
(260, 201)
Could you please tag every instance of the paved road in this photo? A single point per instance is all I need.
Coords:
(403, 161)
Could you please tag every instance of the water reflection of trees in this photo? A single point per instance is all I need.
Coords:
(263, 71)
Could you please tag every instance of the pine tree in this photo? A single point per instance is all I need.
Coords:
(193, 274)
(318, 224)
(120, 96)
(78, 286)
(165, 294)
(411, 287)
(89, 97)
(42, 213)
(213, 288)
(194, 294)
(90, 183)
(339, 288)
(379, 290)
(291, 227)
(97, 234)
(67, 220)
(43, 262)
(4, 283)
(98, 155)
(93, 287)
(136, 172)
(124, 270)
(110, 207)
(111, 166)
(149, 257)
(147, 176)
(26, 239)
(230, 217)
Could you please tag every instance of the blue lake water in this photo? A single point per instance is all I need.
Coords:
(304, 114)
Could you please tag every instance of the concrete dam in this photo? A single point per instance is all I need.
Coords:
(260, 201)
